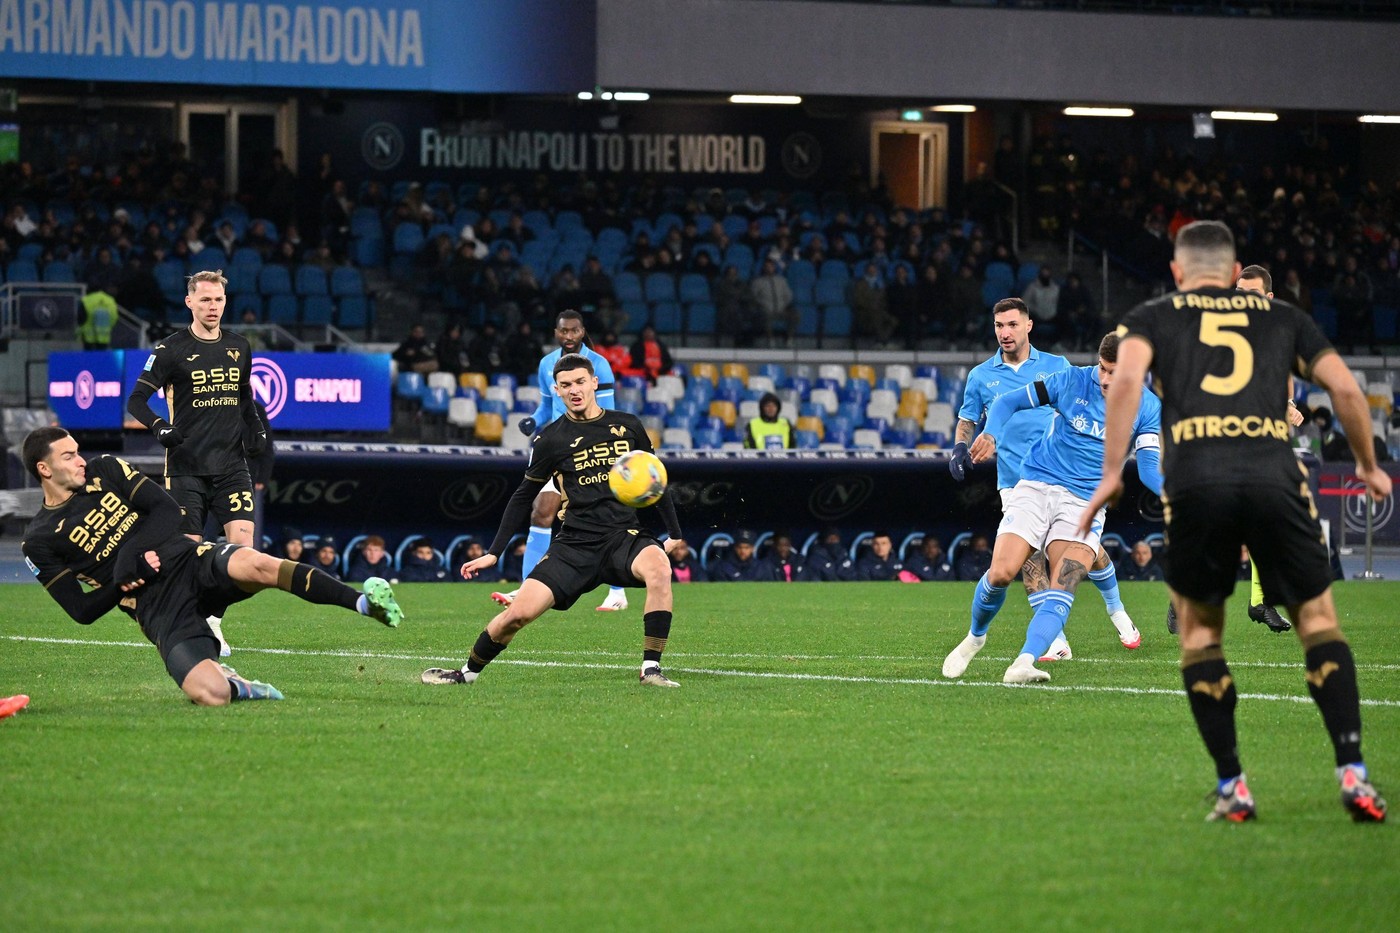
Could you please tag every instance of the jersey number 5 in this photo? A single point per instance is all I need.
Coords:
(1213, 334)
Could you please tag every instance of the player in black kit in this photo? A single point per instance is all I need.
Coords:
(600, 539)
(1222, 359)
(107, 536)
(204, 372)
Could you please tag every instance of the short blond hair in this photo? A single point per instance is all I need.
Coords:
(206, 276)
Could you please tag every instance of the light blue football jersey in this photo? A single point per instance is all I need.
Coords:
(994, 378)
(551, 406)
(1070, 454)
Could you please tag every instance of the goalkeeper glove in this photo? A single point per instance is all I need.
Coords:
(960, 462)
(527, 426)
(257, 442)
(168, 435)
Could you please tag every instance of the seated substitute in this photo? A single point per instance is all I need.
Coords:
(931, 563)
(421, 564)
(600, 539)
(1140, 564)
(371, 560)
(880, 562)
(684, 567)
(739, 565)
(783, 563)
(106, 525)
(828, 559)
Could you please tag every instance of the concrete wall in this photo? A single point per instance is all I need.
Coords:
(942, 53)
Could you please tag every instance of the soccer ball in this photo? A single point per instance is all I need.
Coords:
(637, 479)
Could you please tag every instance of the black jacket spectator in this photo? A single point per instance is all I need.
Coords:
(880, 562)
(930, 563)
(830, 562)
(739, 565)
(783, 564)
(974, 560)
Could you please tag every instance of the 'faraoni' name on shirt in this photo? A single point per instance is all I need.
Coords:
(1238, 302)
(1201, 427)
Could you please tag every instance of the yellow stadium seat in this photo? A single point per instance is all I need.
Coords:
(863, 372)
(913, 404)
(655, 436)
(475, 381)
(737, 371)
(705, 371)
(812, 423)
(720, 408)
(489, 427)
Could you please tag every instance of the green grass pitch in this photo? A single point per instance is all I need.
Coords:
(813, 772)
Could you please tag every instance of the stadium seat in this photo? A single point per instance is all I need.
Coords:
(317, 310)
(59, 272)
(836, 321)
(900, 373)
(865, 373)
(274, 280)
(475, 381)
(700, 318)
(812, 424)
(489, 428)
(694, 287)
(347, 280)
(461, 413)
(442, 380)
(867, 439)
(283, 309)
(659, 286)
(828, 292)
(354, 312)
(677, 438)
(724, 410)
(409, 386)
(939, 418)
(511, 437)
(706, 439)
(736, 371)
(806, 440)
(311, 280)
(666, 317)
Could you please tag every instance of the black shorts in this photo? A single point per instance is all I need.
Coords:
(194, 583)
(1207, 524)
(228, 497)
(575, 564)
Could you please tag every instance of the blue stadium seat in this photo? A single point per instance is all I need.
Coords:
(836, 321)
(1383, 319)
(311, 280)
(694, 287)
(700, 318)
(632, 382)
(660, 286)
(666, 317)
(368, 251)
(492, 406)
(834, 270)
(274, 280)
(505, 381)
(739, 254)
(627, 287)
(21, 270)
(245, 301)
(317, 310)
(347, 280)
(436, 400)
(830, 292)
(808, 320)
(612, 239)
(680, 419)
(806, 440)
(241, 279)
(59, 271)
(408, 238)
(568, 220)
(282, 309)
(707, 438)
(409, 385)
(658, 409)
(354, 312)
(247, 257)
(710, 249)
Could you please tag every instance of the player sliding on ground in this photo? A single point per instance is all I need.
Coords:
(1223, 358)
(1041, 512)
(600, 540)
(107, 535)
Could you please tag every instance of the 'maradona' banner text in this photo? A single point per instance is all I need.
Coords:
(510, 46)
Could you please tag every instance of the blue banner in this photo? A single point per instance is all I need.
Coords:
(508, 46)
(85, 389)
(301, 391)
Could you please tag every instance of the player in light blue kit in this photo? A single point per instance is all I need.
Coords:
(1058, 476)
(570, 333)
(1016, 365)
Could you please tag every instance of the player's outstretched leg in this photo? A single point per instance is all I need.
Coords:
(533, 599)
(11, 705)
(261, 571)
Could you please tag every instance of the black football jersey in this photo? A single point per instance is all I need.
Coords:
(1220, 361)
(206, 385)
(579, 455)
(82, 535)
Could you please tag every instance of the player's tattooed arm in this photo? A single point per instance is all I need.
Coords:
(963, 433)
(1072, 573)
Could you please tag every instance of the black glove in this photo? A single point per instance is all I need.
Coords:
(960, 462)
(256, 442)
(132, 566)
(168, 435)
(527, 426)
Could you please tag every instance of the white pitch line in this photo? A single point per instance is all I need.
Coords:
(761, 675)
